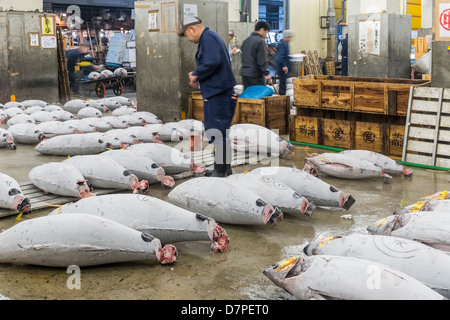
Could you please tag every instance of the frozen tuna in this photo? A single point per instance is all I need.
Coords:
(419, 261)
(89, 112)
(3, 116)
(13, 104)
(388, 165)
(170, 159)
(76, 105)
(79, 239)
(61, 179)
(276, 193)
(56, 128)
(326, 277)
(6, 139)
(147, 134)
(111, 104)
(147, 214)
(73, 144)
(224, 201)
(120, 72)
(52, 107)
(26, 133)
(122, 100)
(13, 111)
(106, 74)
(20, 118)
(11, 196)
(116, 122)
(431, 228)
(102, 125)
(33, 102)
(103, 172)
(120, 138)
(143, 167)
(63, 115)
(82, 126)
(33, 109)
(339, 165)
(312, 188)
(123, 110)
(43, 116)
(94, 75)
(258, 139)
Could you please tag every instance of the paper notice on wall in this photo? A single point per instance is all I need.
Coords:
(190, 10)
(48, 42)
(370, 37)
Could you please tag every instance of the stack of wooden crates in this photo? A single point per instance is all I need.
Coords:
(352, 112)
(270, 112)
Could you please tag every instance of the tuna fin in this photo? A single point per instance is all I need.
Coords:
(318, 295)
(147, 237)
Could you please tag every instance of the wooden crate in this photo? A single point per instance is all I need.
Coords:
(396, 139)
(365, 95)
(271, 112)
(306, 129)
(369, 136)
(338, 133)
(196, 106)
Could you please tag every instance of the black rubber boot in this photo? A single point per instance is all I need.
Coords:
(222, 163)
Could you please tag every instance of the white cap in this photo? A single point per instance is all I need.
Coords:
(187, 22)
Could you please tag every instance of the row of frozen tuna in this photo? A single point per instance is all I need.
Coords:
(123, 169)
(355, 164)
(107, 74)
(239, 199)
(404, 256)
(108, 229)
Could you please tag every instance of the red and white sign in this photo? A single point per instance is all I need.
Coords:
(444, 19)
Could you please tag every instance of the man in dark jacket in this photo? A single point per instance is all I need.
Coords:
(214, 76)
(284, 60)
(254, 64)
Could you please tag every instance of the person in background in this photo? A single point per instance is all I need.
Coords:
(232, 50)
(214, 76)
(254, 69)
(344, 54)
(74, 57)
(284, 60)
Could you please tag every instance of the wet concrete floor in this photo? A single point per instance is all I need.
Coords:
(199, 274)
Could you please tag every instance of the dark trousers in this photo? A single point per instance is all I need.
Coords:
(73, 83)
(344, 70)
(282, 77)
(218, 115)
(252, 81)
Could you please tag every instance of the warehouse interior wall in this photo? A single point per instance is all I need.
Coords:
(28, 5)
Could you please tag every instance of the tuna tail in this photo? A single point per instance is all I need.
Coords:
(24, 205)
(386, 178)
(272, 215)
(221, 242)
(310, 209)
(348, 203)
(407, 173)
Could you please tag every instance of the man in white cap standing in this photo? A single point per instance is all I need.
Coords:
(284, 62)
(214, 76)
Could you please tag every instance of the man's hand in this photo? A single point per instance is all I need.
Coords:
(286, 70)
(268, 77)
(193, 80)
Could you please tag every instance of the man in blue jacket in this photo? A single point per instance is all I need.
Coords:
(284, 60)
(215, 78)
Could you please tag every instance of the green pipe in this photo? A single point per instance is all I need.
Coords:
(409, 164)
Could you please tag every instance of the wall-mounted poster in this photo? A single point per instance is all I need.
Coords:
(48, 42)
(48, 25)
(370, 37)
(33, 40)
(442, 20)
